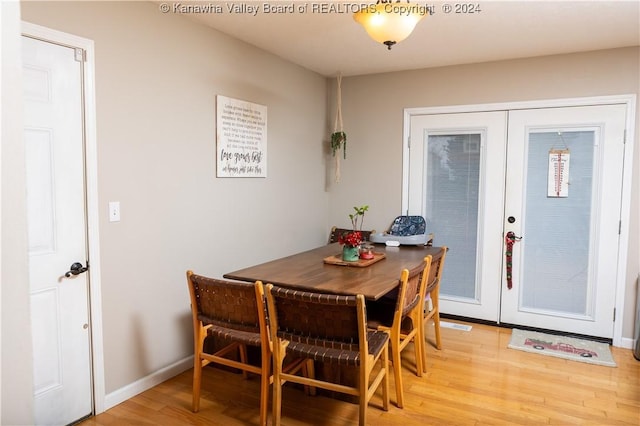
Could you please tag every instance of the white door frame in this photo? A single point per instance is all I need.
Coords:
(625, 210)
(91, 187)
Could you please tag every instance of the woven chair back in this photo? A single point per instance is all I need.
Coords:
(412, 291)
(435, 273)
(226, 304)
(317, 319)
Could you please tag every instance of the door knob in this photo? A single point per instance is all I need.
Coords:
(75, 269)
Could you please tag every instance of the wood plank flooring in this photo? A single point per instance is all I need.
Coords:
(474, 380)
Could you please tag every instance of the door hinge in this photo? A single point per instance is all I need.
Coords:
(619, 227)
(80, 55)
(614, 314)
(409, 142)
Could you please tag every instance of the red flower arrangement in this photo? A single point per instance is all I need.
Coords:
(351, 239)
(354, 238)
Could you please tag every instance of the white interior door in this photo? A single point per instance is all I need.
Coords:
(476, 176)
(53, 137)
(564, 189)
(456, 181)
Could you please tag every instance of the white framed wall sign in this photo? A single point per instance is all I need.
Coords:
(241, 138)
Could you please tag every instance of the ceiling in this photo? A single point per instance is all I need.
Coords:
(328, 41)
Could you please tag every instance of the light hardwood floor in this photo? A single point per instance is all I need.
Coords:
(474, 380)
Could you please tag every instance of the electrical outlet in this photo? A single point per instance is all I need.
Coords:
(114, 211)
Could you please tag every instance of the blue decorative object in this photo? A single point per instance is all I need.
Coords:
(408, 225)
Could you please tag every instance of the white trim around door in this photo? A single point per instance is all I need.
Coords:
(91, 175)
(628, 100)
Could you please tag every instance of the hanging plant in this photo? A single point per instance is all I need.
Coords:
(339, 141)
(338, 137)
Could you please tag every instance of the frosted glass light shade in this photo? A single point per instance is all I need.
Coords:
(389, 23)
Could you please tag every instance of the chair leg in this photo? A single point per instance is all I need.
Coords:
(363, 377)
(385, 380)
(397, 367)
(436, 326)
(278, 360)
(277, 400)
(197, 380)
(424, 345)
(198, 362)
(309, 371)
(264, 390)
(425, 325)
(436, 322)
(418, 343)
(244, 359)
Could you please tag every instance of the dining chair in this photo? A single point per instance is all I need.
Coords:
(402, 319)
(431, 304)
(330, 329)
(234, 315)
(336, 232)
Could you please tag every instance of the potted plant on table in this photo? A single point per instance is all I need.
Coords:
(351, 240)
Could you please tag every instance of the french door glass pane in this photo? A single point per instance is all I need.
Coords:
(555, 243)
(453, 178)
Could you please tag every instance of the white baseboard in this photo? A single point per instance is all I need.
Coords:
(627, 343)
(141, 385)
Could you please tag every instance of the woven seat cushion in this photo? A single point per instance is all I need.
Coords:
(246, 337)
(330, 353)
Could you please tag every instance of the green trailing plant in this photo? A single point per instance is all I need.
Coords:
(339, 141)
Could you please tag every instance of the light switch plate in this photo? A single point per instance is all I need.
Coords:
(114, 211)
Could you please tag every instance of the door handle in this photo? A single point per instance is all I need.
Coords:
(511, 236)
(76, 269)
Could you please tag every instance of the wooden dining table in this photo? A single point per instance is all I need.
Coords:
(309, 271)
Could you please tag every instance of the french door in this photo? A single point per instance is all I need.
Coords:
(456, 166)
(551, 178)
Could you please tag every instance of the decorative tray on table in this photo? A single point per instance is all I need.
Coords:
(336, 259)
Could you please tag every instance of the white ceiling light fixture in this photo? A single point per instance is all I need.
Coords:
(390, 22)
